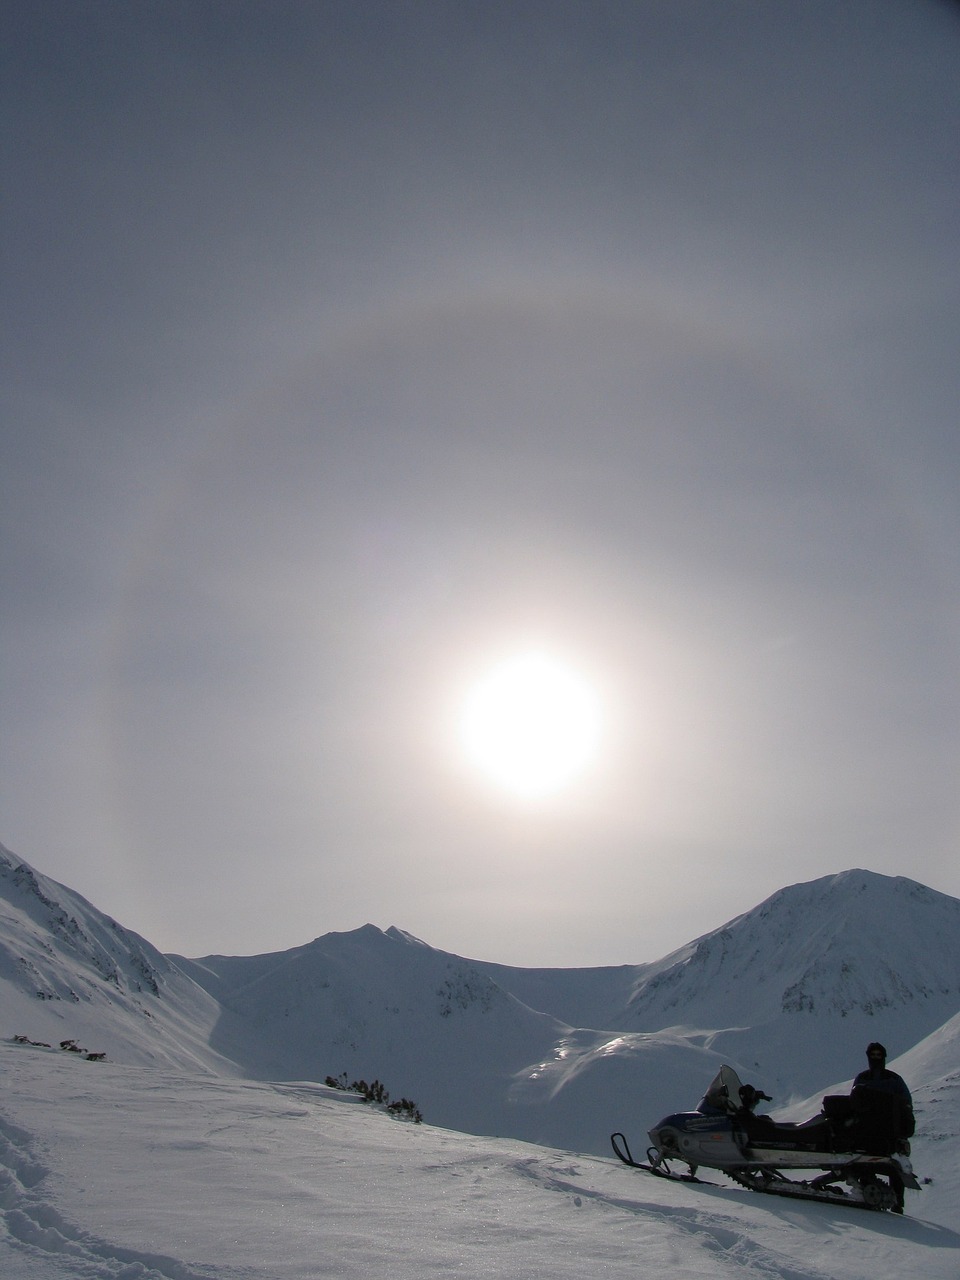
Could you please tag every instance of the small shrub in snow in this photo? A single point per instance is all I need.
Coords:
(377, 1094)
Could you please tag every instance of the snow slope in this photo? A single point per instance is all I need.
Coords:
(799, 985)
(116, 1172)
(794, 988)
(788, 993)
(374, 1004)
(69, 971)
(434, 1027)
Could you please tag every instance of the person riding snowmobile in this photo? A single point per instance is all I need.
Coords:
(859, 1163)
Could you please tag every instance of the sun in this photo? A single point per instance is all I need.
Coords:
(531, 725)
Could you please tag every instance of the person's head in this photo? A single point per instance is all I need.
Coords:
(876, 1054)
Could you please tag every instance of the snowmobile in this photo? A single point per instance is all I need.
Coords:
(858, 1143)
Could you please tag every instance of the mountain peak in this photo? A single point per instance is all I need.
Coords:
(845, 946)
(401, 935)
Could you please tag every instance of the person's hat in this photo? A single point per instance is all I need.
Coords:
(876, 1050)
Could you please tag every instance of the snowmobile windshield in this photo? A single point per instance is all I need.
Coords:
(724, 1093)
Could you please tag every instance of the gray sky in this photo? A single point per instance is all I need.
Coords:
(351, 346)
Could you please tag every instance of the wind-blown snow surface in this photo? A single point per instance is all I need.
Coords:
(113, 1172)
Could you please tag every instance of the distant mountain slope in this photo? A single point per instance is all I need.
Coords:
(856, 943)
(793, 989)
(790, 992)
(579, 997)
(845, 944)
(796, 987)
(67, 971)
(430, 1026)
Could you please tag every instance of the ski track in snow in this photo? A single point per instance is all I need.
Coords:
(38, 1231)
(728, 1243)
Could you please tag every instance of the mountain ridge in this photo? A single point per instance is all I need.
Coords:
(788, 992)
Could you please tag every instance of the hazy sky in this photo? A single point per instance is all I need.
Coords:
(350, 347)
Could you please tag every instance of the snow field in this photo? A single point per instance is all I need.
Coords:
(131, 1173)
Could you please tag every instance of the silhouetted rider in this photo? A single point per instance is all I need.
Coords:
(882, 1096)
(883, 1109)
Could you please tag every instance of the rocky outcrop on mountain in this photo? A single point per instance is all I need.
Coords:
(52, 921)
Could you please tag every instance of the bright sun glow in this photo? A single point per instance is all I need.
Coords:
(531, 725)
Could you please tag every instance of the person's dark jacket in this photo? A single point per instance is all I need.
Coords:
(882, 1101)
(886, 1081)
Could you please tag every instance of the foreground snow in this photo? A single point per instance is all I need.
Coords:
(133, 1173)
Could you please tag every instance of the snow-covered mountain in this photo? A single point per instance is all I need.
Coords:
(789, 993)
(796, 987)
(67, 971)
(431, 1026)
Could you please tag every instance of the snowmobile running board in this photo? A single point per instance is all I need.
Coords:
(774, 1185)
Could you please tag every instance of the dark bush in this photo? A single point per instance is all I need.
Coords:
(376, 1094)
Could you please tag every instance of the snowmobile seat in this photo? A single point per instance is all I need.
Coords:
(815, 1134)
(837, 1106)
(868, 1120)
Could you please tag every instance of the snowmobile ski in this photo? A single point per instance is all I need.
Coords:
(657, 1167)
